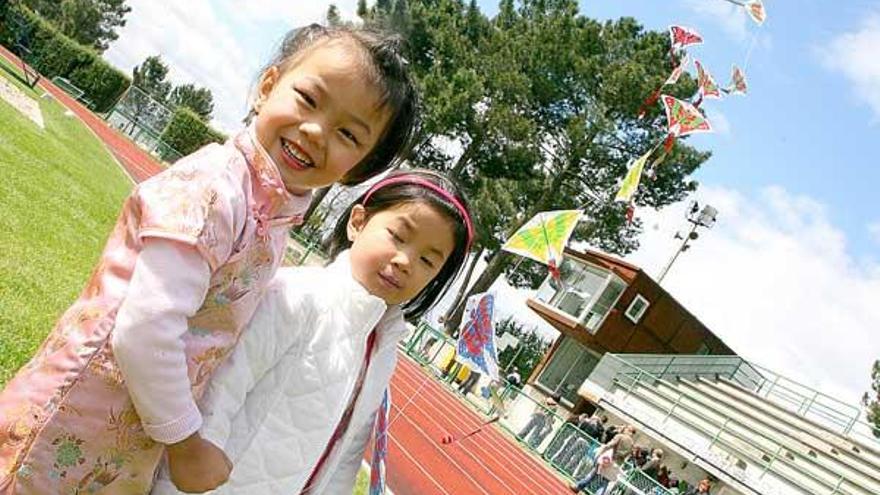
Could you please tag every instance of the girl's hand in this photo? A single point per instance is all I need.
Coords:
(197, 465)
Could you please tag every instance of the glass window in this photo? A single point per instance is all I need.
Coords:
(587, 294)
(604, 303)
(637, 308)
(567, 370)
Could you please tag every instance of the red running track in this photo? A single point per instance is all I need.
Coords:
(489, 462)
(139, 164)
(418, 464)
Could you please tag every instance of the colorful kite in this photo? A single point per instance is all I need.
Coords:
(682, 37)
(632, 179)
(755, 9)
(678, 71)
(380, 447)
(672, 79)
(682, 119)
(544, 236)
(737, 82)
(476, 343)
(708, 88)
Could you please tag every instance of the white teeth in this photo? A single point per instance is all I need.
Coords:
(295, 153)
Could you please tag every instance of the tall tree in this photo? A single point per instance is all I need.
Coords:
(150, 76)
(362, 10)
(90, 22)
(146, 97)
(333, 17)
(872, 401)
(50, 9)
(527, 354)
(199, 100)
(585, 81)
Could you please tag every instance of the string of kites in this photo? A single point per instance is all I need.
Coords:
(684, 117)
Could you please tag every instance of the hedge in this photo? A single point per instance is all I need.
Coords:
(54, 54)
(187, 132)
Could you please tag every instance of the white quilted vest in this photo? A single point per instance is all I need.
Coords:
(274, 405)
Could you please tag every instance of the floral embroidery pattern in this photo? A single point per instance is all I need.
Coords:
(68, 453)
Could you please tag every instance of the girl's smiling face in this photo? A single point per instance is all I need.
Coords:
(319, 115)
(396, 252)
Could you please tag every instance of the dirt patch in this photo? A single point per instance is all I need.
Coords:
(21, 102)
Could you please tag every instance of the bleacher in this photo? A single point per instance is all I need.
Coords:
(722, 413)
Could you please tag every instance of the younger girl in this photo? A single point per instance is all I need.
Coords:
(118, 378)
(294, 405)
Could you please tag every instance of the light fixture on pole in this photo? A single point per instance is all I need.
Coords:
(698, 218)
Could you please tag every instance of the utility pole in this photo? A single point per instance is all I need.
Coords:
(698, 218)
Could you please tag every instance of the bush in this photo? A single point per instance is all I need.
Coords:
(54, 54)
(187, 132)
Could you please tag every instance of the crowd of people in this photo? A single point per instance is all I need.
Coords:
(595, 452)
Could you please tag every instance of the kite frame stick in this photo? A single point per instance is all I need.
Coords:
(475, 431)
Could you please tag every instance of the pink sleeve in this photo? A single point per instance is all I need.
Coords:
(168, 285)
(199, 201)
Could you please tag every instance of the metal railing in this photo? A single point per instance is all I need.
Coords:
(306, 251)
(676, 405)
(802, 400)
(816, 406)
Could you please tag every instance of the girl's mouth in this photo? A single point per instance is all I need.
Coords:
(294, 156)
(389, 281)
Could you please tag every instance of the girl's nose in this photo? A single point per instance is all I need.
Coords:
(314, 133)
(401, 261)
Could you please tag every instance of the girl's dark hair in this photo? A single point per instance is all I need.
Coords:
(396, 194)
(388, 71)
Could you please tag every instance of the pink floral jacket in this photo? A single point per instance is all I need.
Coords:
(67, 423)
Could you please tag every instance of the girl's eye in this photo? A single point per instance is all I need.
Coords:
(349, 135)
(428, 262)
(305, 96)
(395, 236)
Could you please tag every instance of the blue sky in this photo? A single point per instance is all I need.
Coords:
(789, 276)
(801, 125)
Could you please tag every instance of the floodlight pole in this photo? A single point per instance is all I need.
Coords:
(698, 218)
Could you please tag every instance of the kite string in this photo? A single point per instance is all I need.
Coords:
(749, 51)
(411, 397)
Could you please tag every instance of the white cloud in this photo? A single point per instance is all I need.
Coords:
(731, 18)
(720, 122)
(774, 279)
(203, 42)
(854, 54)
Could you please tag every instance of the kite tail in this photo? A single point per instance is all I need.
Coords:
(649, 101)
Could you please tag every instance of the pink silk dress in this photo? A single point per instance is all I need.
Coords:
(67, 422)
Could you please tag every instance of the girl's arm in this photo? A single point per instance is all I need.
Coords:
(168, 286)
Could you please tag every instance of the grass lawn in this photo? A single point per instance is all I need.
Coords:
(60, 193)
(362, 484)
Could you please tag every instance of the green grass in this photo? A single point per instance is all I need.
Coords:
(60, 193)
(362, 483)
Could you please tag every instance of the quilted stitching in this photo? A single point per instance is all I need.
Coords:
(292, 410)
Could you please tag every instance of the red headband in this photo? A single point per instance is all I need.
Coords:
(409, 179)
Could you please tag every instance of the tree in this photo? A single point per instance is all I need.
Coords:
(150, 77)
(199, 100)
(333, 17)
(148, 92)
(90, 22)
(585, 82)
(872, 404)
(524, 356)
(49, 9)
